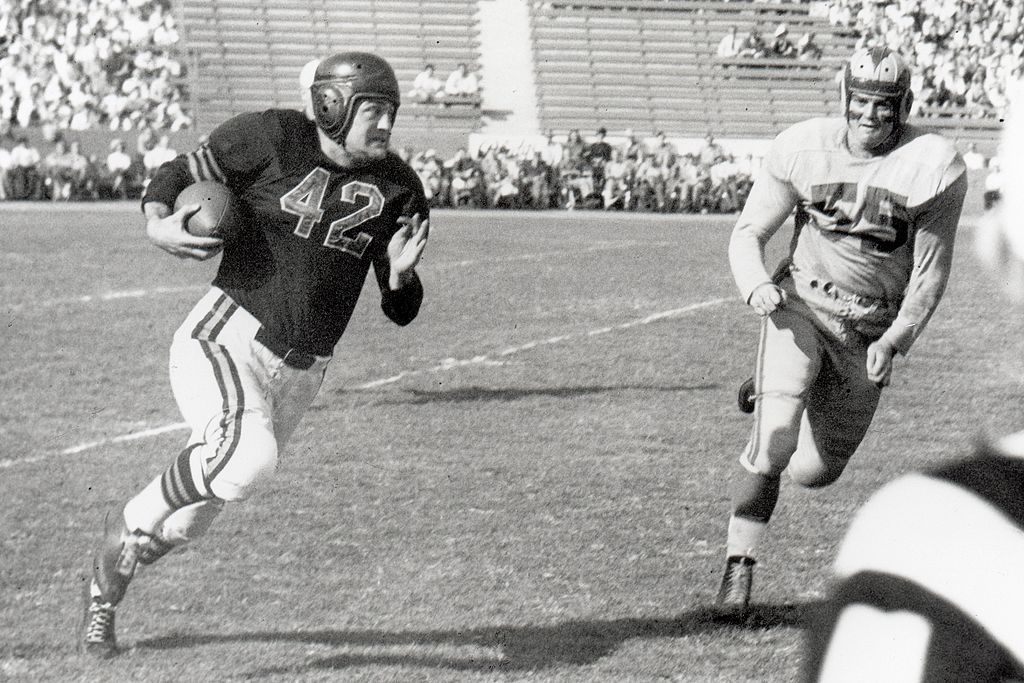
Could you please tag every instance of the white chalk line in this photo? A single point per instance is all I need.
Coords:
(444, 366)
(107, 296)
(119, 295)
(494, 359)
(134, 436)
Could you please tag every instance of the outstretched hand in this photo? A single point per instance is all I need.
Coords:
(169, 233)
(406, 248)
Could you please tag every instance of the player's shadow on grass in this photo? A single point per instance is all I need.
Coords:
(497, 648)
(506, 394)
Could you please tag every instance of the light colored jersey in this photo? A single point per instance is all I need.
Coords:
(881, 228)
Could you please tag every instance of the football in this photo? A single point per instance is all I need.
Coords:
(219, 214)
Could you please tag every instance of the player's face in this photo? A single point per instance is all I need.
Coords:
(370, 134)
(871, 120)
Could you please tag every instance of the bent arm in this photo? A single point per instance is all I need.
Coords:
(770, 202)
(933, 259)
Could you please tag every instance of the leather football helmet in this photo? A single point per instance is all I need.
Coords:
(881, 72)
(343, 80)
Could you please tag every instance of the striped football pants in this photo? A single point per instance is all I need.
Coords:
(814, 399)
(241, 401)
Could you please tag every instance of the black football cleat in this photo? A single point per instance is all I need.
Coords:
(98, 640)
(745, 396)
(733, 601)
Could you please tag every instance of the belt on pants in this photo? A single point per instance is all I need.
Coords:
(294, 358)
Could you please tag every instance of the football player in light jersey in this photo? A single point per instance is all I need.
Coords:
(936, 595)
(877, 205)
(325, 201)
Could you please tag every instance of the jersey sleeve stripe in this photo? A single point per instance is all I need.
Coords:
(203, 166)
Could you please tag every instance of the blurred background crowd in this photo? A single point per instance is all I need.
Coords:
(69, 66)
(964, 53)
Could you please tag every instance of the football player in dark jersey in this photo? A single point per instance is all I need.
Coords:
(324, 201)
(928, 584)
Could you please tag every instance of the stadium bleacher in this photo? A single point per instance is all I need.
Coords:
(669, 77)
(248, 53)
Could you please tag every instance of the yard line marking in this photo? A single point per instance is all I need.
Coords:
(133, 436)
(443, 366)
(485, 359)
(118, 295)
(108, 296)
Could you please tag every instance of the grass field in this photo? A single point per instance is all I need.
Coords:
(527, 483)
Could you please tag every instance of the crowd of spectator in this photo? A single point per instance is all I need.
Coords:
(86, 64)
(964, 53)
(56, 168)
(633, 175)
(754, 46)
(571, 173)
(461, 87)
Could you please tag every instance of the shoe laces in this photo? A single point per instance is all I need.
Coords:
(737, 581)
(101, 622)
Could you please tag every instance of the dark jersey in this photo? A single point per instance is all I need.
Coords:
(930, 585)
(312, 229)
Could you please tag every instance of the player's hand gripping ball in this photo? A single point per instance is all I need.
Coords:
(220, 212)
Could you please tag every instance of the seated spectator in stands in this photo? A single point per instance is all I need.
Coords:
(661, 146)
(116, 180)
(753, 45)
(429, 168)
(781, 46)
(465, 180)
(806, 49)
(618, 181)
(649, 186)
(462, 86)
(26, 174)
(32, 109)
(574, 148)
(729, 45)
(597, 154)
(724, 189)
(710, 152)
(158, 155)
(633, 148)
(58, 175)
(427, 87)
(553, 152)
(976, 99)
(504, 188)
(84, 174)
(537, 182)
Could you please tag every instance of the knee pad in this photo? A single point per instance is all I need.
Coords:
(816, 472)
(237, 476)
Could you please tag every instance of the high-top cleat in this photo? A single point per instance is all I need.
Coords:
(116, 559)
(734, 594)
(745, 396)
(99, 640)
(113, 568)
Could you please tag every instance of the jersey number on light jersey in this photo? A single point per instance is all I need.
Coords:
(305, 199)
(884, 212)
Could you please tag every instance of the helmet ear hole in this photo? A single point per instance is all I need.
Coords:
(329, 104)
